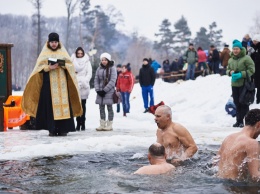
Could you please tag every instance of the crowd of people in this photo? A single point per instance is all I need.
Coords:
(56, 93)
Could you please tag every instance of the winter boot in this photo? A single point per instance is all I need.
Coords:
(109, 126)
(78, 124)
(83, 126)
(102, 125)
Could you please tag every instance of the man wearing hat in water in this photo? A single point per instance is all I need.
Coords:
(239, 152)
(176, 139)
(157, 159)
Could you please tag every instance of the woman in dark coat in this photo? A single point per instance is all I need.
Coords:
(256, 58)
(104, 83)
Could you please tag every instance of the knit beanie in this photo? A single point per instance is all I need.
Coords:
(237, 43)
(105, 55)
(53, 37)
(145, 59)
(256, 38)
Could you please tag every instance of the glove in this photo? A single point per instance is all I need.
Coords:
(101, 93)
(250, 50)
(236, 76)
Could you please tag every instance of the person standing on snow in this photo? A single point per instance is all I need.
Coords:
(146, 81)
(125, 84)
(118, 71)
(191, 58)
(225, 56)
(51, 93)
(238, 65)
(83, 70)
(104, 83)
(256, 58)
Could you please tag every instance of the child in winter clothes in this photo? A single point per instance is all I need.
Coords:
(125, 85)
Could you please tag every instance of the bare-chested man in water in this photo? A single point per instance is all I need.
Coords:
(176, 139)
(157, 159)
(239, 152)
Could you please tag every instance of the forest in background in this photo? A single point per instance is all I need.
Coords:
(96, 29)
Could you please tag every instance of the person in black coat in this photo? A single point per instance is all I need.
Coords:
(214, 59)
(256, 58)
(147, 80)
(118, 71)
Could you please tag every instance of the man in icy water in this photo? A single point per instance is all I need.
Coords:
(239, 152)
(157, 159)
(178, 142)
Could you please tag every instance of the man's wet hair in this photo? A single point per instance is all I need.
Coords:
(166, 110)
(252, 117)
(157, 150)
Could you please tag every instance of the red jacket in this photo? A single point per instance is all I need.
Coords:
(202, 57)
(125, 82)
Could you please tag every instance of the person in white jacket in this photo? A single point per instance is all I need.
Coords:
(83, 70)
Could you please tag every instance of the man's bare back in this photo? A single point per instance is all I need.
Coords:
(176, 139)
(233, 163)
(239, 152)
(157, 159)
(156, 169)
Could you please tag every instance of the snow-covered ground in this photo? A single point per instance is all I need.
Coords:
(198, 105)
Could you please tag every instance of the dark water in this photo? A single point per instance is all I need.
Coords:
(112, 173)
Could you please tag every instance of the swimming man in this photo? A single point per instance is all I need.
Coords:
(157, 159)
(176, 139)
(239, 152)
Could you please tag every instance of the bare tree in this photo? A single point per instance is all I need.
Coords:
(71, 7)
(139, 48)
(37, 20)
(255, 29)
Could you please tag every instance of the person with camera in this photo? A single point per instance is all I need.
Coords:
(239, 66)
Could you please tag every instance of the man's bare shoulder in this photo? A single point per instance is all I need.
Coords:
(240, 140)
(179, 128)
(142, 170)
(155, 169)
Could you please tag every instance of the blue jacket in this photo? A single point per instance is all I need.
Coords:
(155, 65)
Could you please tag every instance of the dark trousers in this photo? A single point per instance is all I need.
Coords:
(257, 94)
(241, 108)
(118, 107)
(215, 66)
(81, 119)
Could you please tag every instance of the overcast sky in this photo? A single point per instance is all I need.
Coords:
(234, 17)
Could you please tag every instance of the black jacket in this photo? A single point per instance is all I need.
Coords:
(146, 76)
(215, 56)
(256, 58)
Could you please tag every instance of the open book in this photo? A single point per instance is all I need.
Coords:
(53, 61)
